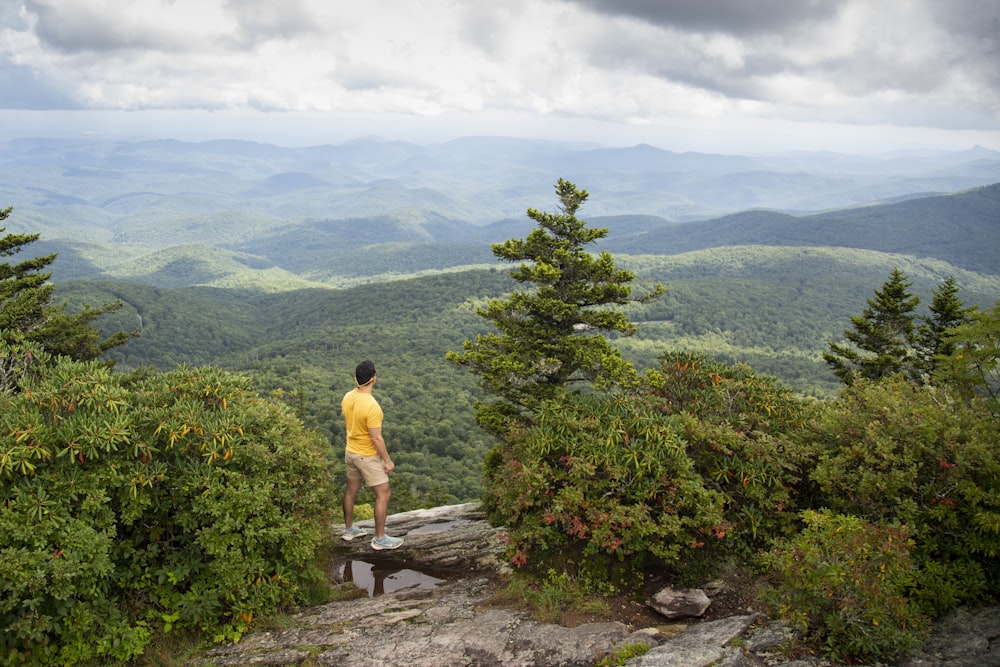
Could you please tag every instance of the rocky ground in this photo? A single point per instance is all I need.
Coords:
(435, 605)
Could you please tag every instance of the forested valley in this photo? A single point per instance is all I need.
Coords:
(773, 308)
(769, 304)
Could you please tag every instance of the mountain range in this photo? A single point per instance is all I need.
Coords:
(241, 214)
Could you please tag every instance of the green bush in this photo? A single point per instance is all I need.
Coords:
(740, 431)
(917, 456)
(139, 504)
(843, 581)
(600, 486)
(697, 465)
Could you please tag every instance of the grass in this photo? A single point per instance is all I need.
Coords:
(550, 597)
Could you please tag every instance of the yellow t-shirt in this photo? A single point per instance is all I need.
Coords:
(361, 412)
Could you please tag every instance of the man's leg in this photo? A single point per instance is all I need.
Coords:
(381, 507)
(353, 486)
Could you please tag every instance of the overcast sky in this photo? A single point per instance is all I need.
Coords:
(709, 75)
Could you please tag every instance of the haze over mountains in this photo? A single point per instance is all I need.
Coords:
(230, 213)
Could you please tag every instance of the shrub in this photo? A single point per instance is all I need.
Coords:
(740, 430)
(842, 581)
(602, 486)
(139, 504)
(916, 456)
(623, 654)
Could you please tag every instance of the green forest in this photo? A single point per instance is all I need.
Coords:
(774, 309)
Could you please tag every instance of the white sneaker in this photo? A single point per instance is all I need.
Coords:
(352, 532)
(386, 542)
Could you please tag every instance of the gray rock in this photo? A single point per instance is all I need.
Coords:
(454, 537)
(455, 624)
(773, 635)
(680, 603)
(447, 626)
(700, 645)
(963, 638)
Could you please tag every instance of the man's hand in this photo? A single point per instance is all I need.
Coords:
(388, 466)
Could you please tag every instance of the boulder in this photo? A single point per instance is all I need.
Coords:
(700, 645)
(680, 603)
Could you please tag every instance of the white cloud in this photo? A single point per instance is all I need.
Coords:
(634, 63)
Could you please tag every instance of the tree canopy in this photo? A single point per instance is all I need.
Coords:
(27, 312)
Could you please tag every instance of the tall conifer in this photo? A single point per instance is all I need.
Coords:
(550, 335)
(881, 340)
(946, 312)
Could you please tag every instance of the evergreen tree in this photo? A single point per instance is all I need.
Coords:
(28, 314)
(550, 336)
(946, 312)
(24, 290)
(973, 365)
(881, 342)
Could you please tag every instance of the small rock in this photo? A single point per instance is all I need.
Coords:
(680, 603)
(647, 636)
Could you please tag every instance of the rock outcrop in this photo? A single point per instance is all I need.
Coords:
(454, 622)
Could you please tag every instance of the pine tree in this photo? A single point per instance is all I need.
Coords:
(973, 366)
(28, 314)
(550, 336)
(946, 312)
(25, 292)
(881, 342)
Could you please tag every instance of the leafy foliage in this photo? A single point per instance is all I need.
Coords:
(600, 484)
(973, 366)
(743, 435)
(699, 464)
(843, 581)
(149, 503)
(902, 454)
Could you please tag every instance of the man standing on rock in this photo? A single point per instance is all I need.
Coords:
(366, 457)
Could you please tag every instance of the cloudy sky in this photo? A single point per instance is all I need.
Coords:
(710, 75)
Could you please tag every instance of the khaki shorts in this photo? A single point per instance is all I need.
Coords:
(368, 468)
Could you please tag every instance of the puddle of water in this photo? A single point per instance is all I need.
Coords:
(385, 577)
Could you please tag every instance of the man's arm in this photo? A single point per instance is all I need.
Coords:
(376, 436)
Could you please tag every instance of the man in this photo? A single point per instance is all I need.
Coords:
(366, 457)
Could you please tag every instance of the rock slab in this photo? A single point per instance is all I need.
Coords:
(456, 624)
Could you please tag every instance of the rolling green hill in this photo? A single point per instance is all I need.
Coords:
(305, 344)
(961, 228)
(236, 250)
(773, 308)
